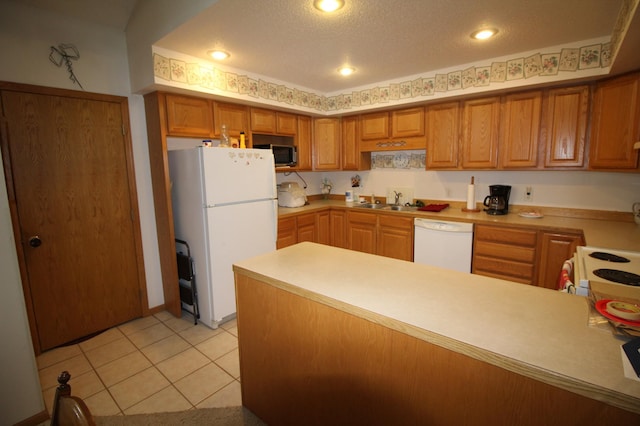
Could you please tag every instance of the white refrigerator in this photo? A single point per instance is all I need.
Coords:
(225, 206)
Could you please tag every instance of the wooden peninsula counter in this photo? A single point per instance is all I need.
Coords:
(330, 336)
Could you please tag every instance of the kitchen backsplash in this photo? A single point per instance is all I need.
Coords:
(570, 189)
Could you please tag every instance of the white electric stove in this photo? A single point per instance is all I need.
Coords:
(607, 272)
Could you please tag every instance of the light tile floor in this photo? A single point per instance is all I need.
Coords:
(155, 364)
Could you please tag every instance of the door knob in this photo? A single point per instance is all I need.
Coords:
(35, 241)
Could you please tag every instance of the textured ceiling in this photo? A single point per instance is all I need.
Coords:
(290, 41)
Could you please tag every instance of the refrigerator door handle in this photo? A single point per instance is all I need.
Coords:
(275, 221)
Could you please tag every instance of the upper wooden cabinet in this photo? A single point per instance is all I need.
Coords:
(480, 133)
(395, 130)
(188, 116)
(352, 157)
(615, 124)
(443, 130)
(304, 143)
(235, 117)
(564, 126)
(519, 127)
(326, 144)
(273, 122)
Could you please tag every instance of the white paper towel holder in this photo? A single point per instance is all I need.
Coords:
(465, 209)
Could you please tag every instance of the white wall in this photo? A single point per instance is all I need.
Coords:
(570, 189)
(26, 35)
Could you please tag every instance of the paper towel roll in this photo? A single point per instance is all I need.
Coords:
(471, 197)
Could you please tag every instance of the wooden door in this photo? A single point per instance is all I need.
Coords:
(565, 126)
(480, 133)
(520, 127)
(235, 117)
(188, 116)
(555, 248)
(350, 145)
(374, 126)
(407, 123)
(303, 143)
(443, 128)
(615, 124)
(70, 177)
(326, 144)
(361, 231)
(306, 228)
(395, 237)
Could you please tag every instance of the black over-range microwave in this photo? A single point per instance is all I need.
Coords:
(284, 155)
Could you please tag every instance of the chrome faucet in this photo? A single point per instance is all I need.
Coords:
(398, 195)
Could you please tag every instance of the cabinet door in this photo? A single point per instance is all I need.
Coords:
(338, 219)
(565, 126)
(187, 116)
(286, 124)
(303, 143)
(615, 124)
(480, 133)
(520, 122)
(287, 233)
(323, 227)
(361, 231)
(351, 156)
(235, 117)
(306, 228)
(407, 123)
(326, 144)
(443, 127)
(263, 120)
(395, 237)
(374, 126)
(555, 248)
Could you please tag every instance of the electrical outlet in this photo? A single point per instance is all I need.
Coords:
(528, 194)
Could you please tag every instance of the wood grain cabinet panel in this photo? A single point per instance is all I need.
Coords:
(396, 130)
(263, 120)
(554, 249)
(407, 123)
(504, 252)
(520, 124)
(304, 143)
(362, 231)
(443, 130)
(338, 223)
(374, 126)
(326, 144)
(395, 237)
(615, 124)
(287, 232)
(188, 116)
(564, 126)
(235, 117)
(480, 133)
(306, 229)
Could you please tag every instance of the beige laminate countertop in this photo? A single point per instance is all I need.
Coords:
(532, 331)
(598, 233)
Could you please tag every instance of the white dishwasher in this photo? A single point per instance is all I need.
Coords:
(444, 244)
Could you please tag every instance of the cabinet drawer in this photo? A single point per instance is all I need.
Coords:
(503, 269)
(505, 251)
(506, 235)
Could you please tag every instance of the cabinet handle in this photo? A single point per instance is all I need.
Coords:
(35, 241)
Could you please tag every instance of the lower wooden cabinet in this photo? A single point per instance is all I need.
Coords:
(507, 253)
(555, 248)
(384, 235)
(522, 255)
(338, 226)
(314, 227)
(395, 237)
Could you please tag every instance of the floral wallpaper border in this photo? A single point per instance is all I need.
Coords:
(539, 64)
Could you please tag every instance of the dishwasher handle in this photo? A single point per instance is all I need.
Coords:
(443, 226)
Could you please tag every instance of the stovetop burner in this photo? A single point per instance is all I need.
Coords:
(621, 277)
(609, 257)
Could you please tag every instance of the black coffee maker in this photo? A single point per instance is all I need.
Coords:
(498, 199)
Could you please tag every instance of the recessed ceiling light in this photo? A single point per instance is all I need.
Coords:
(328, 5)
(484, 33)
(346, 70)
(219, 55)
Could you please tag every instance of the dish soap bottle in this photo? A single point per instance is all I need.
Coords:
(224, 137)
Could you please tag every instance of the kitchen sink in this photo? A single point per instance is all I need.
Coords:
(402, 208)
(371, 206)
